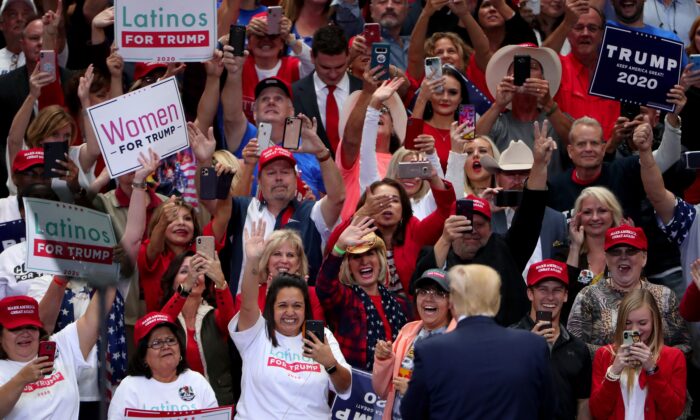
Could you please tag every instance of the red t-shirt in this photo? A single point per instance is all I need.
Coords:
(377, 301)
(443, 144)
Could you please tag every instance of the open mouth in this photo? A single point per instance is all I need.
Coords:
(366, 273)
(548, 306)
(289, 320)
(476, 166)
(24, 343)
(624, 268)
(430, 309)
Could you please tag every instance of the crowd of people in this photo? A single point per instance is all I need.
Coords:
(539, 260)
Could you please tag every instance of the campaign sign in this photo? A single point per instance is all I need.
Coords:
(11, 233)
(363, 403)
(218, 413)
(129, 124)
(165, 30)
(637, 68)
(69, 240)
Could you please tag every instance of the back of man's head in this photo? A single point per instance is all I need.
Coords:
(329, 40)
(475, 289)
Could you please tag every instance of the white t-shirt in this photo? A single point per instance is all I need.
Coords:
(9, 209)
(280, 382)
(190, 391)
(55, 396)
(15, 279)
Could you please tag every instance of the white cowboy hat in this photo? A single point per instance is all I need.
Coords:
(396, 110)
(497, 68)
(517, 157)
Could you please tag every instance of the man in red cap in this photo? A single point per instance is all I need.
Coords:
(27, 169)
(472, 242)
(547, 290)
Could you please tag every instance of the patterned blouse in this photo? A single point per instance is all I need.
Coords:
(593, 316)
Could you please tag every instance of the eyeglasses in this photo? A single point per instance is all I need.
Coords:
(441, 294)
(618, 252)
(158, 344)
(384, 110)
(591, 28)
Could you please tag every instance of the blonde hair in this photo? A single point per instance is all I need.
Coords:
(346, 277)
(228, 159)
(604, 197)
(276, 240)
(393, 169)
(463, 49)
(475, 289)
(637, 299)
(50, 119)
(468, 187)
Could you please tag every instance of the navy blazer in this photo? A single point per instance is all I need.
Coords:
(480, 371)
(553, 235)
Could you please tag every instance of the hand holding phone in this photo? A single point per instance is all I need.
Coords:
(414, 128)
(48, 349)
(544, 316)
(315, 327)
(236, 39)
(205, 246)
(54, 151)
(465, 207)
(207, 183)
(274, 18)
(292, 133)
(380, 57)
(521, 69)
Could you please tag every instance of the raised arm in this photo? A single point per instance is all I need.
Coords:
(480, 43)
(115, 65)
(254, 244)
(542, 151)
(156, 245)
(226, 15)
(504, 95)
(416, 49)
(203, 147)
(89, 324)
(15, 137)
(669, 150)
(235, 122)
(209, 102)
(89, 154)
(101, 21)
(222, 213)
(573, 11)
(354, 127)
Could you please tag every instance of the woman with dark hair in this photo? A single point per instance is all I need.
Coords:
(387, 202)
(641, 378)
(196, 294)
(286, 374)
(159, 378)
(351, 288)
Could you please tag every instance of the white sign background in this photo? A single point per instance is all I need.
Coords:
(131, 123)
(77, 229)
(165, 30)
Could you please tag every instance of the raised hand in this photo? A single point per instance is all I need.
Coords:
(457, 140)
(677, 97)
(84, 87)
(149, 163)
(576, 233)
(374, 204)
(254, 241)
(202, 146)
(353, 234)
(38, 80)
(643, 136)
(455, 227)
(504, 92)
(115, 63)
(544, 146)
(386, 89)
(215, 66)
(233, 63)
(311, 142)
(104, 19)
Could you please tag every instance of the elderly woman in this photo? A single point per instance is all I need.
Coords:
(34, 387)
(159, 378)
(592, 317)
(644, 379)
(393, 364)
(285, 373)
(351, 288)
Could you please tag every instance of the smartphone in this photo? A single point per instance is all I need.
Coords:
(467, 114)
(264, 136)
(521, 69)
(380, 57)
(629, 111)
(292, 133)
(413, 170)
(465, 207)
(207, 183)
(47, 61)
(223, 185)
(545, 316)
(433, 70)
(509, 198)
(414, 128)
(236, 39)
(695, 59)
(274, 18)
(630, 337)
(205, 246)
(691, 160)
(315, 327)
(47, 348)
(53, 151)
(372, 33)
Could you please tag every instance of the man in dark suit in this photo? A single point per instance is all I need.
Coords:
(480, 370)
(311, 97)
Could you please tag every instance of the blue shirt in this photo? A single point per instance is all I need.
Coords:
(397, 52)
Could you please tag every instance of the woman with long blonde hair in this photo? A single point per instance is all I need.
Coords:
(638, 377)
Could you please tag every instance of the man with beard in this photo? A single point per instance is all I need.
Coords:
(472, 242)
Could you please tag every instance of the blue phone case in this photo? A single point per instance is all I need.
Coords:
(380, 57)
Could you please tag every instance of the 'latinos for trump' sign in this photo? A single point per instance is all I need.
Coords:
(165, 30)
(151, 117)
(69, 240)
(636, 67)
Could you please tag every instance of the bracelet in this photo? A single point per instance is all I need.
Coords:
(653, 370)
(552, 110)
(611, 376)
(60, 281)
(328, 156)
(338, 250)
(139, 185)
(332, 369)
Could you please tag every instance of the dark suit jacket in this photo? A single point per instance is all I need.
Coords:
(480, 371)
(554, 230)
(304, 100)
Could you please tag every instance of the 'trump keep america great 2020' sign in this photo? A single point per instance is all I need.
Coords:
(165, 30)
(637, 67)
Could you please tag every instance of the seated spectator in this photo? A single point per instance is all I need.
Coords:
(393, 363)
(351, 289)
(591, 317)
(516, 107)
(270, 341)
(465, 242)
(196, 295)
(464, 168)
(547, 286)
(55, 391)
(159, 378)
(644, 379)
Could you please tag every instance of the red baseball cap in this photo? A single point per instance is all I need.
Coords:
(19, 311)
(25, 159)
(481, 206)
(625, 235)
(547, 270)
(273, 153)
(147, 323)
(142, 69)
